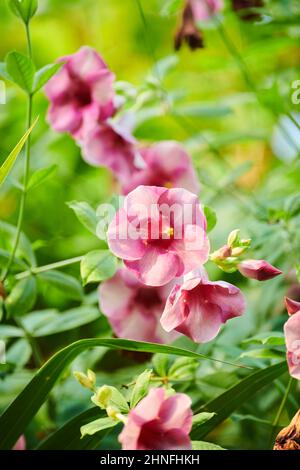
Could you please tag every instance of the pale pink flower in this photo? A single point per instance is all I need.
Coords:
(20, 444)
(82, 86)
(199, 307)
(133, 309)
(166, 164)
(258, 269)
(159, 422)
(159, 233)
(292, 338)
(203, 10)
(110, 144)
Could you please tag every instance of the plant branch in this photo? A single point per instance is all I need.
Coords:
(49, 267)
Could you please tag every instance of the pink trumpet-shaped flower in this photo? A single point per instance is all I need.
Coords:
(292, 338)
(20, 444)
(110, 144)
(133, 309)
(159, 422)
(166, 164)
(258, 269)
(203, 10)
(199, 307)
(82, 86)
(159, 233)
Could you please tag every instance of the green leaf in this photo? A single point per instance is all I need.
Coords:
(22, 297)
(43, 75)
(202, 110)
(97, 266)
(97, 425)
(202, 445)
(201, 418)
(226, 403)
(110, 396)
(182, 367)
(211, 218)
(21, 70)
(160, 363)
(24, 9)
(68, 437)
(292, 205)
(3, 71)
(140, 388)
(6, 167)
(263, 353)
(7, 331)
(24, 251)
(273, 338)
(19, 353)
(17, 416)
(170, 7)
(68, 284)
(40, 176)
(85, 214)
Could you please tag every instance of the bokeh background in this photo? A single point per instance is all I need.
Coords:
(249, 172)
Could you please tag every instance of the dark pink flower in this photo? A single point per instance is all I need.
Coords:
(203, 10)
(159, 233)
(110, 144)
(20, 444)
(159, 422)
(133, 309)
(199, 307)
(82, 86)
(292, 341)
(166, 164)
(258, 269)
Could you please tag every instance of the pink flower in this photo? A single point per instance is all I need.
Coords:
(203, 10)
(82, 86)
(159, 422)
(292, 338)
(20, 444)
(258, 269)
(110, 144)
(159, 233)
(166, 164)
(199, 307)
(133, 309)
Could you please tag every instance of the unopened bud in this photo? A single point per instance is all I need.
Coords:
(289, 437)
(258, 269)
(236, 252)
(87, 381)
(102, 396)
(234, 238)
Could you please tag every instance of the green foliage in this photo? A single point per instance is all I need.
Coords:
(85, 214)
(22, 297)
(24, 9)
(98, 266)
(21, 70)
(68, 284)
(140, 388)
(211, 218)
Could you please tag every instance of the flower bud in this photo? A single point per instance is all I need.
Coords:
(289, 437)
(292, 306)
(258, 269)
(87, 381)
(234, 238)
(102, 396)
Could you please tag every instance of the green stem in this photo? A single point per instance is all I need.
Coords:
(49, 267)
(28, 38)
(281, 408)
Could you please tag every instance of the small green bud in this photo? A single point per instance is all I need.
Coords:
(87, 381)
(102, 396)
(234, 238)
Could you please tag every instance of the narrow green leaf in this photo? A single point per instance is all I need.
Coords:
(273, 338)
(211, 218)
(10, 160)
(68, 284)
(202, 445)
(7, 331)
(21, 70)
(97, 266)
(17, 416)
(40, 176)
(97, 425)
(43, 75)
(226, 403)
(140, 388)
(24, 9)
(85, 214)
(22, 297)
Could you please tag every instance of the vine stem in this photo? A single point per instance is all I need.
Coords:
(26, 170)
(49, 267)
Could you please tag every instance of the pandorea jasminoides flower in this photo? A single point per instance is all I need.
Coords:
(82, 86)
(199, 307)
(159, 233)
(20, 444)
(292, 337)
(159, 422)
(133, 309)
(203, 10)
(110, 144)
(258, 269)
(166, 164)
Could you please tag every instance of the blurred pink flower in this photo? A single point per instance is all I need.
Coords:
(159, 422)
(82, 86)
(203, 10)
(110, 144)
(292, 338)
(166, 164)
(133, 309)
(258, 269)
(199, 307)
(20, 444)
(292, 306)
(159, 233)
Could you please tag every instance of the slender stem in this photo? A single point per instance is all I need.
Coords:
(49, 267)
(281, 407)
(28, 38)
